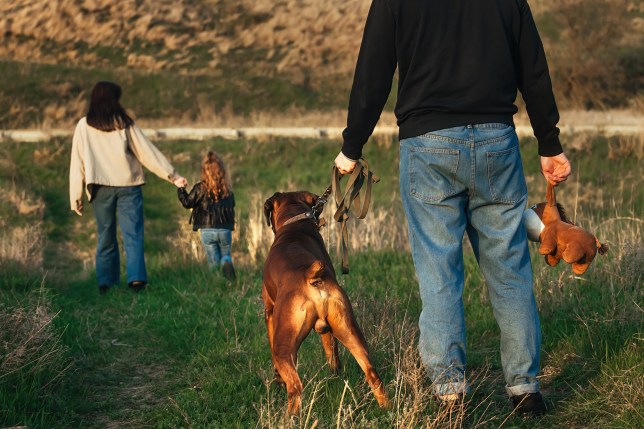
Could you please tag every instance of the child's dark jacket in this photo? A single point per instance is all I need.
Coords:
(206, 212)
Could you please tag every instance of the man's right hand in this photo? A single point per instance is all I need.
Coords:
(344, 164)
(555, 169)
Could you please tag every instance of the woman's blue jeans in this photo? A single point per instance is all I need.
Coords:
(126, 204)
(470, 179)
(217, 242)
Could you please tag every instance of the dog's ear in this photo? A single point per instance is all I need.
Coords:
(563, 215)
(310, 198)
(538, 209)
(269, 206)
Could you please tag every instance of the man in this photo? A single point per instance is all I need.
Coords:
(460, 64)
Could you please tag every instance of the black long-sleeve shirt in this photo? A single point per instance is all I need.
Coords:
(459, 62)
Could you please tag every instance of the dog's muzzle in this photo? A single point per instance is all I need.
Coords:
(533, 224)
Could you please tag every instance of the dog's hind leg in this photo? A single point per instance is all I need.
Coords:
(574, 252)
(345, 328)
(292, 324)
(331, 352)
(270, 330)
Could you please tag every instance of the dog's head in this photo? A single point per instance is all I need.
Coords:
(284, 205)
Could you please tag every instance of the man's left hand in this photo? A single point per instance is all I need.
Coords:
(555, 169)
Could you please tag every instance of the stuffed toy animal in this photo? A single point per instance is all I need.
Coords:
(548, 224)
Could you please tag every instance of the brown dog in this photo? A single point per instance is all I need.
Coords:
(300, 292)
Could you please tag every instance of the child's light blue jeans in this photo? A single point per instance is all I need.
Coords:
(217, 242)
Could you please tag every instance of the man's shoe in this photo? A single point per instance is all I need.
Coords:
(529, 403)
(103, 289)
(136, 286)
(229, 270)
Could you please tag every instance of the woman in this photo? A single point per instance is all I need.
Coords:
(108, 150)
(213, 212)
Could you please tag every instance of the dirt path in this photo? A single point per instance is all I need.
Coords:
(306, 125)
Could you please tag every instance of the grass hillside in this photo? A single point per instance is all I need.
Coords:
(192, 350)
(182, 60)
(205, 60)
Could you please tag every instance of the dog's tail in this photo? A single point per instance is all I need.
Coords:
(602, 248)
(314, 273)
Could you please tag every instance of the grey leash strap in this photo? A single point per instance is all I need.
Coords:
(350, 201)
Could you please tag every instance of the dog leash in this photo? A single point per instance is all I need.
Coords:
(349, 201)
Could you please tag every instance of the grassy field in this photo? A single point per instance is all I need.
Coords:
(192, 351)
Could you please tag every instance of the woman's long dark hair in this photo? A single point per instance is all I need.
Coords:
(105, 112)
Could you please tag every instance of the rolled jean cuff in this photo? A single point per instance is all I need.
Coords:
(521, 389)
(450, 388)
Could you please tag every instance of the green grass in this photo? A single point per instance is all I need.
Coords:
(166, 94)
(192, 351)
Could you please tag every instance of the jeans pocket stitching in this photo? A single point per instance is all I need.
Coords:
(497, 139)
(432, 136)
(493, 126)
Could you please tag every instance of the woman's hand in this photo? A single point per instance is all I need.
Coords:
(79, 209)
(180, 182)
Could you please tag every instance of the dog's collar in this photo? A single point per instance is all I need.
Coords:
(307, 215)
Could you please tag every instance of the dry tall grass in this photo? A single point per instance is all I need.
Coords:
(66, 26)
(185, 243)
(23, 244)
(412, 404)
(159, 34)
(29, 344)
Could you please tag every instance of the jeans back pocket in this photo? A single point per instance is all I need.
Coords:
(505, 175)
(432, 173)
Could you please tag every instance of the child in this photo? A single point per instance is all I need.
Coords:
(213, 212)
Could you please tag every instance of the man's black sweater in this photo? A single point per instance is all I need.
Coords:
(459, 62)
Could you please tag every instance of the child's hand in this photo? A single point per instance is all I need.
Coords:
(180, 182)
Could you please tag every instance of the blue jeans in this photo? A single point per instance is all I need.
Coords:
(470, 179)
(216, 242)
(126, 203)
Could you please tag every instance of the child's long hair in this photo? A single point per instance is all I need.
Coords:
(105, 111)
(214, 177)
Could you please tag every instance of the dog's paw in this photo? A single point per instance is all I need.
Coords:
(551, 260)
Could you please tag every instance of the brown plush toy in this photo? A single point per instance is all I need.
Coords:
(560, 238)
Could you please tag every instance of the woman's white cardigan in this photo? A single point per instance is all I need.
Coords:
(106, 158)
